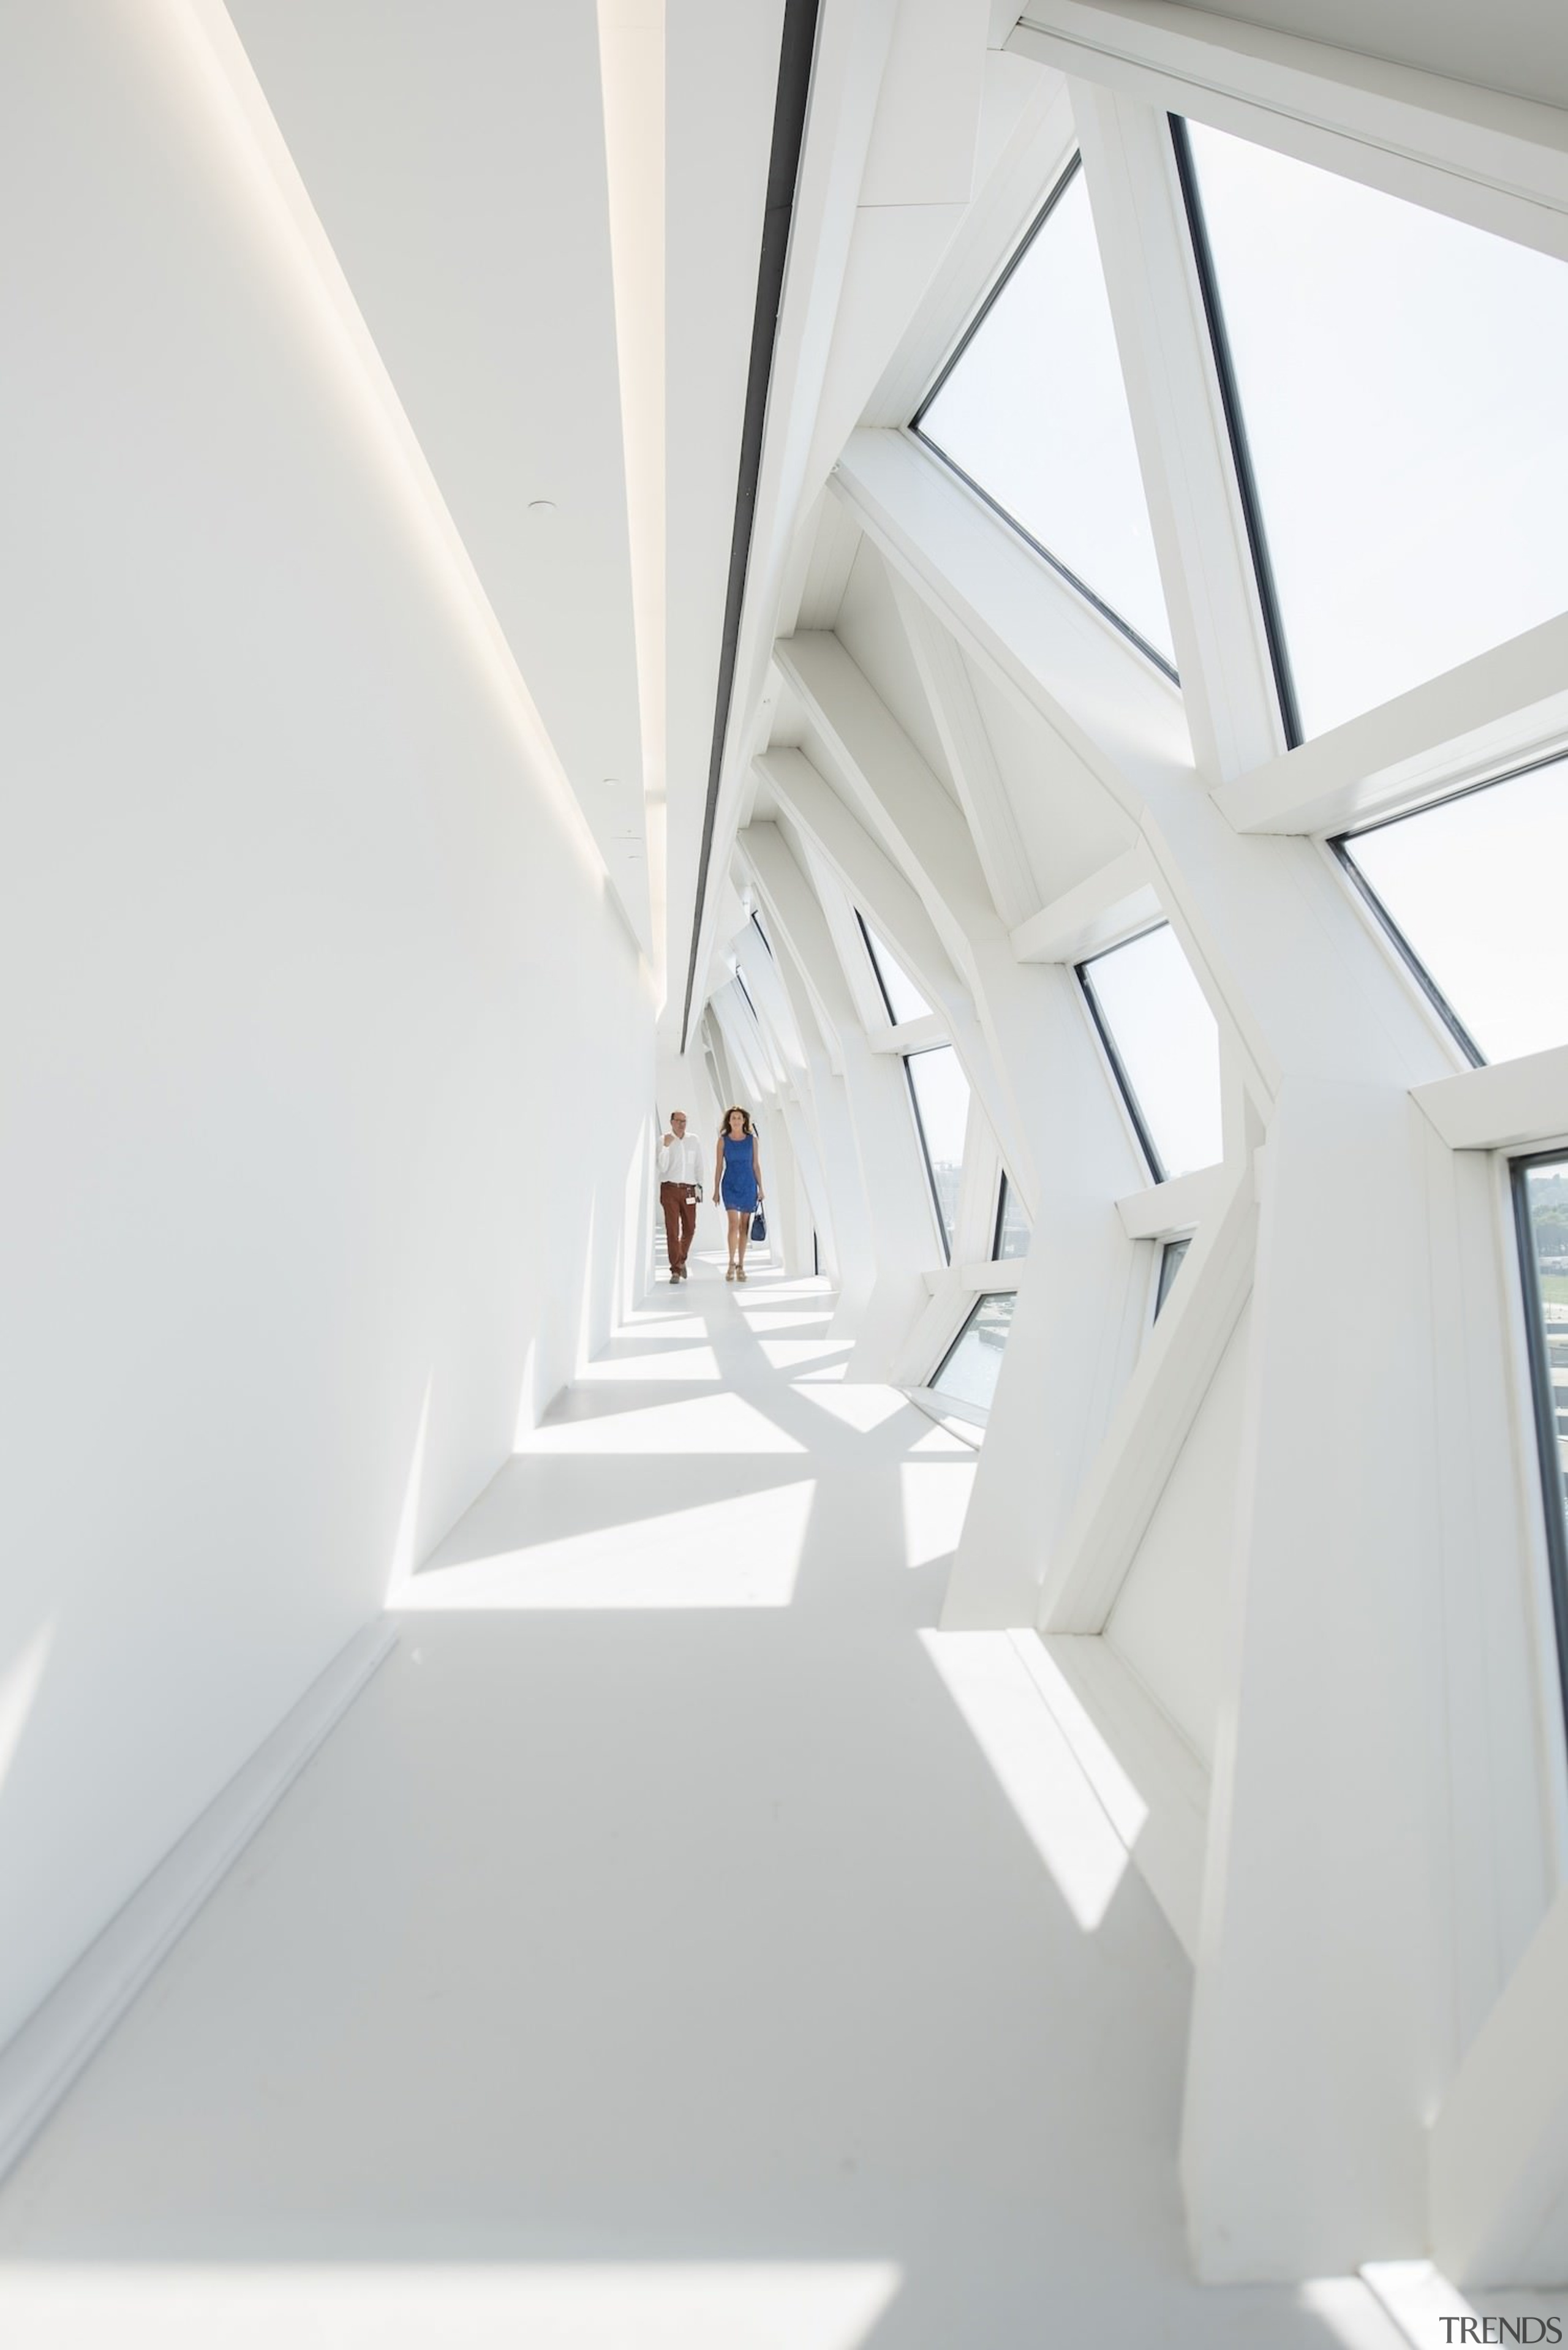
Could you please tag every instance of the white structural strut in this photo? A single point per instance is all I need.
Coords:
(38, 2066)
(1256, 1543)
(1499, 2149)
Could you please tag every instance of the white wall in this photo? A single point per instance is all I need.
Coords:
(323, 1045)
(1170, 1621)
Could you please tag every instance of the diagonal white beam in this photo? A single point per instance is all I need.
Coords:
(1183, 444)
(864, 740)
(1095, 913)
(971, 759)
(897, 792)
(1508, 705)
(869, 875)
(1499, 162)
(1116, 720)
(1153, 1419)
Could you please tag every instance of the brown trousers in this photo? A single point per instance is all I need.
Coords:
(679, 1201)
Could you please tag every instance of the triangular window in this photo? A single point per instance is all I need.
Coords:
(1395, 382)
(1032, 410)
(1009, 1236)
(897, 990)
(1470, 889)
(970, 1369)
(1163, 1046)
(940, 1092)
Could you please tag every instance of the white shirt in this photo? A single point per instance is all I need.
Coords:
(681, 1161)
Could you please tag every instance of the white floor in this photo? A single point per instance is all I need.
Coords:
(677, 1945)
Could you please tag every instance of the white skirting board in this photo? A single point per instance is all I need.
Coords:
(58, 2038)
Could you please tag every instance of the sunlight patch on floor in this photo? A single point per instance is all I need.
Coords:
(860, 1408)
(721, 1422)
(19, 1686)
(1361, 2316)
(654, 1321)
(939, 1443)
(1035, 1767)
(744, 1552)
(684, 1360)
(936, 1498)
(689, 2305)
(769, 1317)
(795, 1354)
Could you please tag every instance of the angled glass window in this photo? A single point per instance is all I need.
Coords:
(745, 991)
(1540, 1203)
(898, 992)
(1170, 1262)
(1032, 410)
(1394, 386)
(969, 1370)
(1162, 1042)
(1011, 1237)
(939, 1091)
(757, 926)
(1471, 890)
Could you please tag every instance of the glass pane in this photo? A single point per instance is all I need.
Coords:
(1543, 1199)
(745, 991)
(1171, 1257)
(899, 994)
(1033, 410)
(1475, 887)
(1164, 1036)
(1011, 1224)
(1399, 377)
(942, 1102)
(969, 1372)
(757, 921)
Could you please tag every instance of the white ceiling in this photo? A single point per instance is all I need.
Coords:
(455, 156)
(1519, 46)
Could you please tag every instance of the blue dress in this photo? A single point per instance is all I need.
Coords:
(739, 1188)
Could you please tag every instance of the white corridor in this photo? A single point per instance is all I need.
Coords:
(652, 1956)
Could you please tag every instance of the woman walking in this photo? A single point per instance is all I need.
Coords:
(738, 1181)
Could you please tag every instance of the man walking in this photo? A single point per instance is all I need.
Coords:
(680, 1165)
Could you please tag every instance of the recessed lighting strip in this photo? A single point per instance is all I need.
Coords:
(796, 49)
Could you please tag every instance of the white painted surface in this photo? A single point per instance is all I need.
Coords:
(310, 986)
(1520, 48)
(868, 628)
(1499, 2151)
(61, 2036)
(431, 145)
(1169, 1619)
(686, 1976)
(316, 994)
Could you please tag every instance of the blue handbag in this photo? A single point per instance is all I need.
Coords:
(759, 1226)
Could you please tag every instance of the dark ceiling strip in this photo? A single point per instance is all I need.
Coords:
(796, 52)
